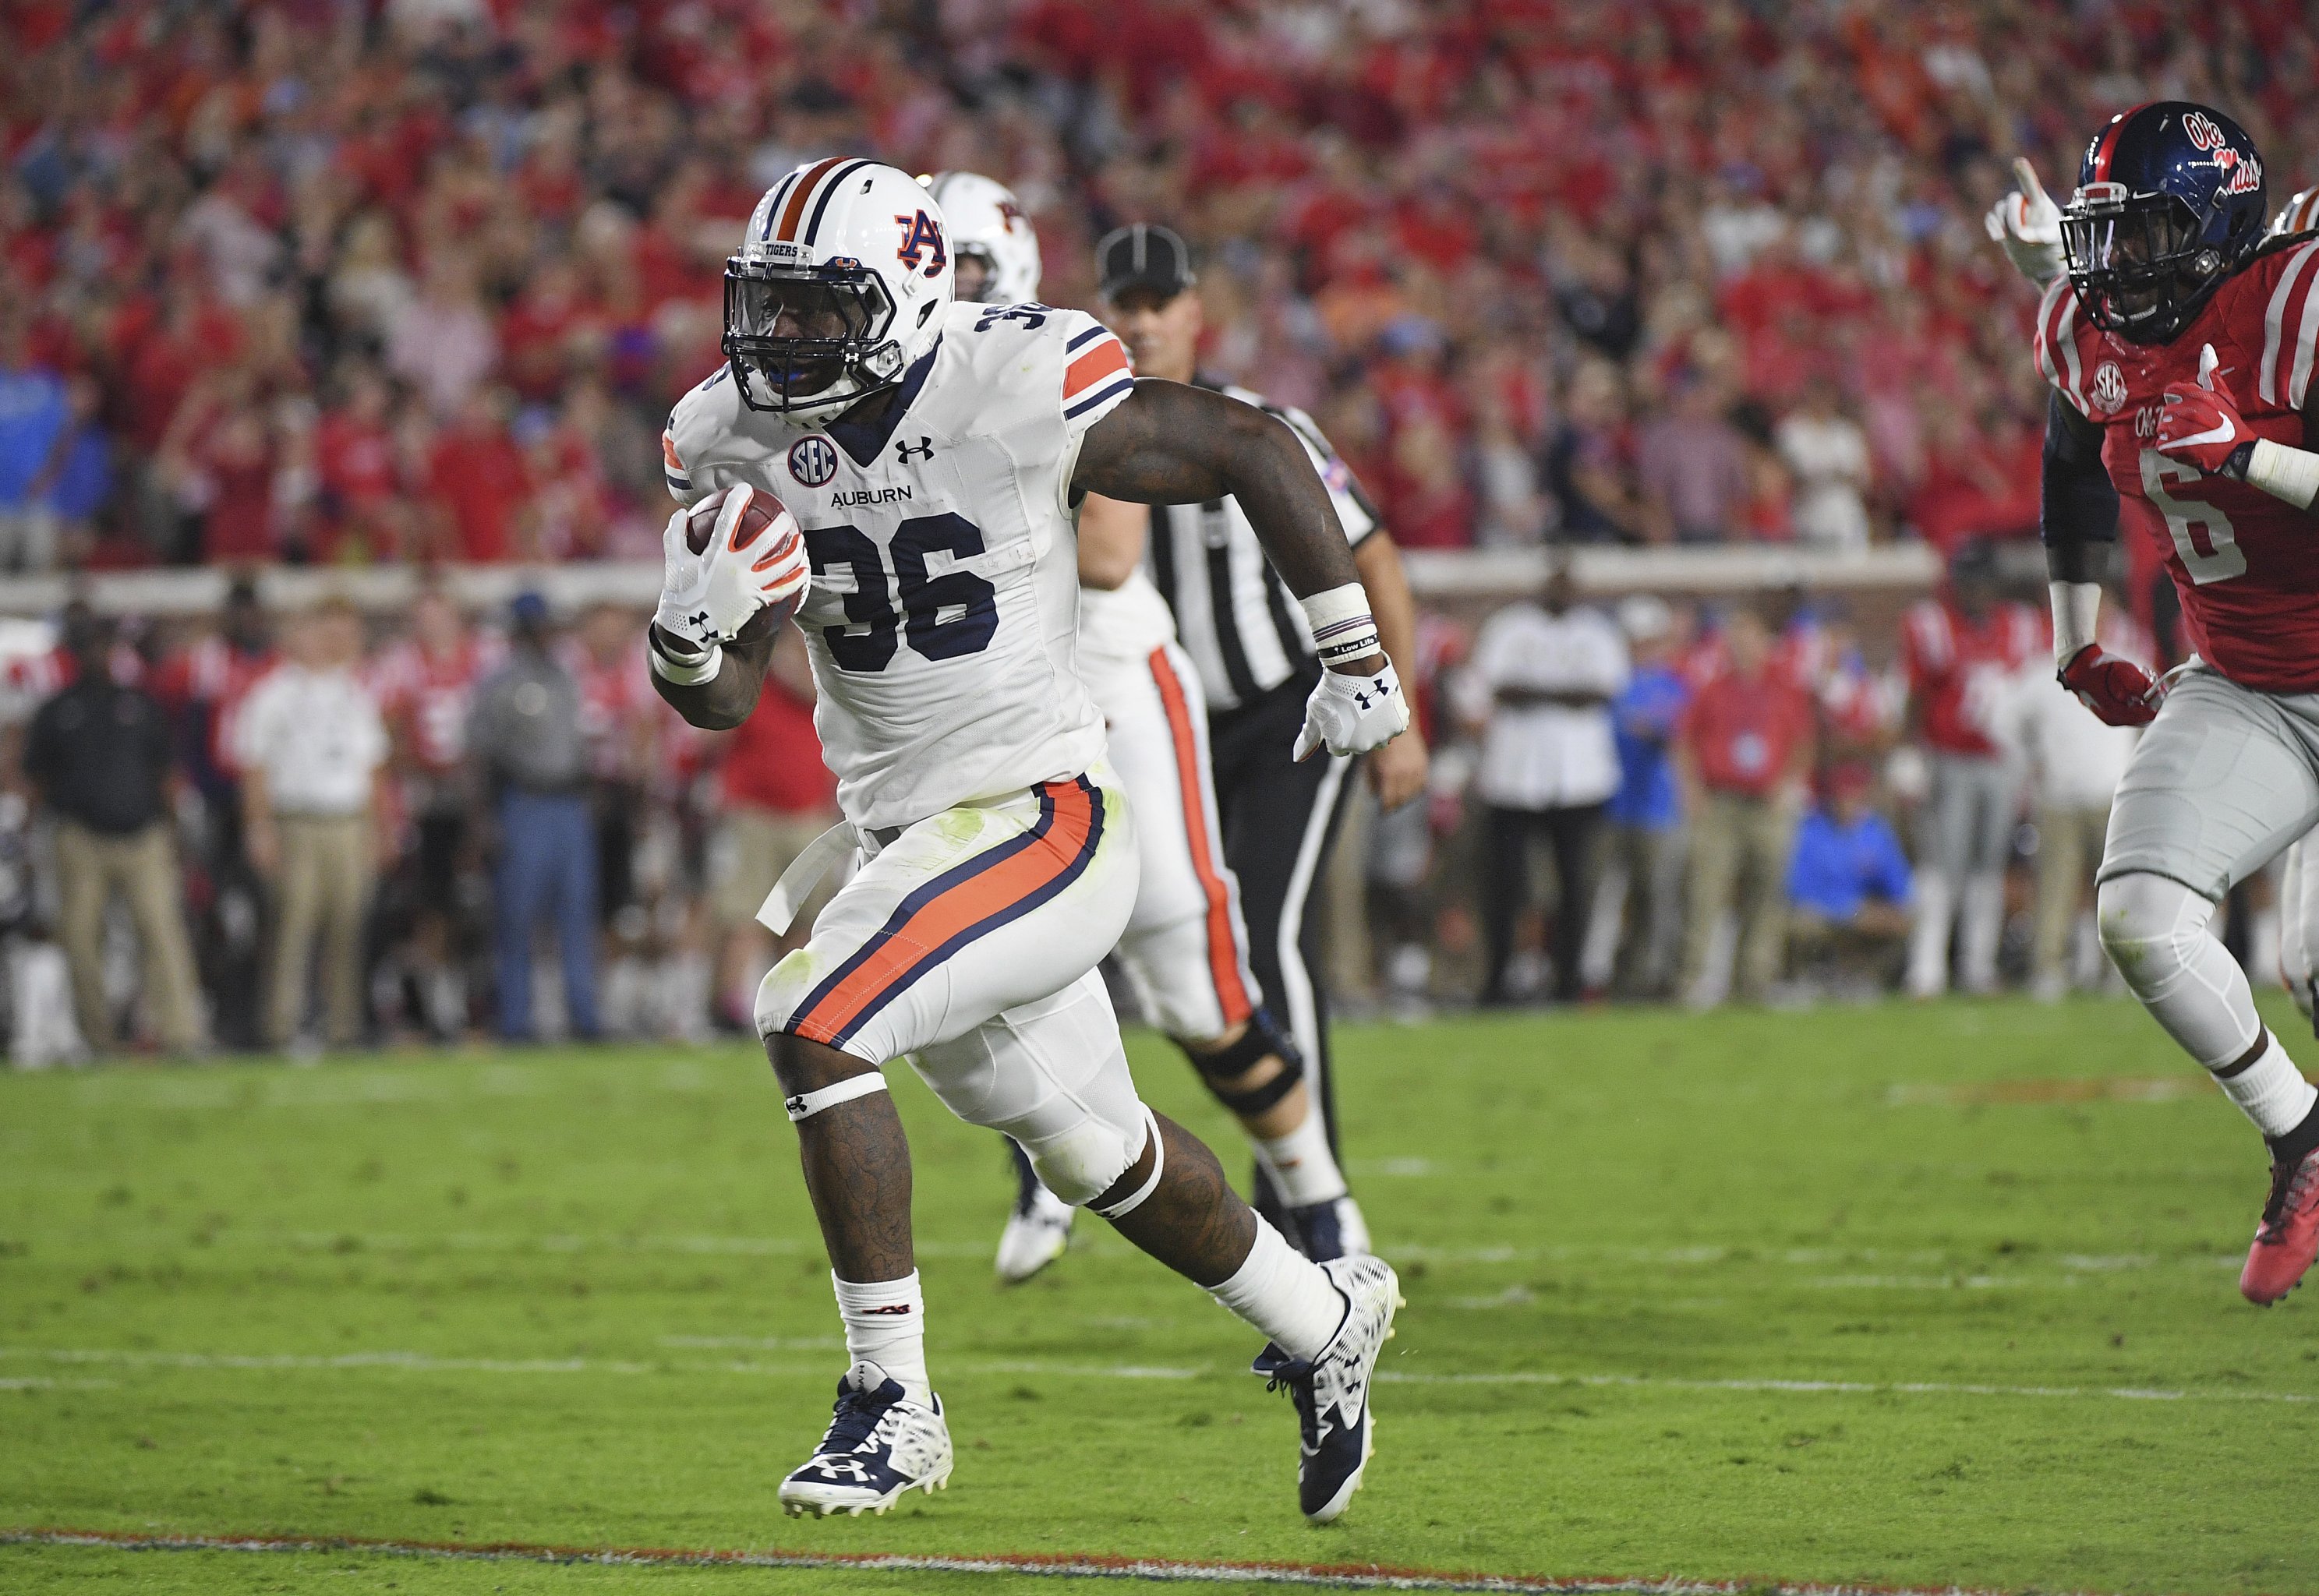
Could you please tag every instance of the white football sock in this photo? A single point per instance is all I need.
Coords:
(2271, 1092)
(1301, 1164)
(1285, 1295)
(886, 1323)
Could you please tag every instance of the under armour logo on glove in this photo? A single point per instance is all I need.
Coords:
(1353, 713)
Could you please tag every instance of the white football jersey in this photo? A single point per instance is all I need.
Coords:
(943, 613)
(1120, 627)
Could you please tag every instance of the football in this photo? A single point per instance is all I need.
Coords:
(763, 511)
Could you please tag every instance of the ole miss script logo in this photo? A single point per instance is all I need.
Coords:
(813, 461)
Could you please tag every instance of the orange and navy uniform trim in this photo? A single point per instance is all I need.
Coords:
(1097, 371)
(966, 902)
(1223, 948)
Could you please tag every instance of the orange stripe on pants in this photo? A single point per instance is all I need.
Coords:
(1224, 951)
(897, 952)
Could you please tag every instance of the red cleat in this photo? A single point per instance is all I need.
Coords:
(2288, 1237)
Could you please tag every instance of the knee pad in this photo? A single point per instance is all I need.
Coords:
(1053, 1076)
(2155, 931)
(2151, 927)
(1263, 1038)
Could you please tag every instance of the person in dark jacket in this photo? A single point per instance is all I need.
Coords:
(99, 752)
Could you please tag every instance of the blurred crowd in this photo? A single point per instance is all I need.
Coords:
(366, 280)
(282, 832)
(317, 829)
(1765, 798)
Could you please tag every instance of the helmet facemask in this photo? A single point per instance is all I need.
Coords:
(808, 341)
(964, 254)
(2139, 263)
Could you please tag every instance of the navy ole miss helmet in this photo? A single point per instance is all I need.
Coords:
(2170, 200)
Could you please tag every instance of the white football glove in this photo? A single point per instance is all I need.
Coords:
(1353, 713)
(2028, 225)
(707, 599)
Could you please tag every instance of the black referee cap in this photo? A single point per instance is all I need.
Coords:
(1143, 255)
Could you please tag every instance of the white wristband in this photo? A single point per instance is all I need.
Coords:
(684, 673)
(2284, 473)
(2077, 611)
(1343, 629)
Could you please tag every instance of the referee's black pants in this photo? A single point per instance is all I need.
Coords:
(1280, 820)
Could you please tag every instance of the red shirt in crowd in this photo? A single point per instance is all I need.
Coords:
(477, 477)
(773, 761)
(1954, 663)
(425, 697)
(1743, 732)
(615, 710)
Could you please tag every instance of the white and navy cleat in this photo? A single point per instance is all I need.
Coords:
(1331, 1392)
(878, 1444)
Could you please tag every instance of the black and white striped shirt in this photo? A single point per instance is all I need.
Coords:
(1234, 616)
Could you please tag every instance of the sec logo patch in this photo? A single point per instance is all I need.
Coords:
(2109, 385)
(813, 461)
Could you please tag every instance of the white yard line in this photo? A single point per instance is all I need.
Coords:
(423, 1363)
(1066, 1565)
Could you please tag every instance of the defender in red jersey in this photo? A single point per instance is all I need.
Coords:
(2180, 346)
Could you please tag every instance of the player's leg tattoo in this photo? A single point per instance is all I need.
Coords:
(856, 1159)
(1193, 1222)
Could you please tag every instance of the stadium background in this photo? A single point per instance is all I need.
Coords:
(363, 298)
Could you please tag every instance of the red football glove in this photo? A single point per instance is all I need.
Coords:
(2112, 686)
(2201, 426)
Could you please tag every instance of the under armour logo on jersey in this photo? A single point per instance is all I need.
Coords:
(904, 448)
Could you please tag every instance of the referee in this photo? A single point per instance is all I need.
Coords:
(1249, 639)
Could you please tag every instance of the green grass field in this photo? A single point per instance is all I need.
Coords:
(1910, 1296)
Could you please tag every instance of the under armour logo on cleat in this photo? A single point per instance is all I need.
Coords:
(924, 450)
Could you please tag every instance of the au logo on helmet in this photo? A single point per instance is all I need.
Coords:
(921, 233)
(813, 461)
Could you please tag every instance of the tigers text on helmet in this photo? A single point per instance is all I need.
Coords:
(988, 224)
(2170, 200)
(838, 285)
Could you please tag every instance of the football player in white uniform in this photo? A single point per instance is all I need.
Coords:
(1186, 948)
(932, 453)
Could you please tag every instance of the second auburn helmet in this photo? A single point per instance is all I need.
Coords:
(989, 225)
(838, 285)
(2300, 214)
